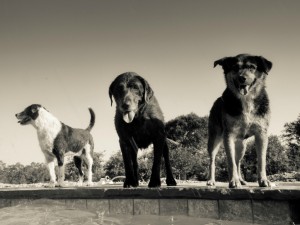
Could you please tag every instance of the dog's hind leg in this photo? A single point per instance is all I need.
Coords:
(213, 145)
(61, 175)
(158, 153)
(78, 164)
(240, 149)
(170, 179)
(88, 159)
(229, 144)
(261, 142)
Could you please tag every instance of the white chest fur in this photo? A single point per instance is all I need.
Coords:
(47, 127)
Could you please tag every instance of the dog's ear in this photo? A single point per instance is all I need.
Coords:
(226, 63)
(148, 92)
(263, 64)
(110, 92)
(34, 108)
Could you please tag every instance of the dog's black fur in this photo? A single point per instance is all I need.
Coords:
(242, 111)
(139, 122)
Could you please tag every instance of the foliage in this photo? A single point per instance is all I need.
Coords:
(277, 160)
(20, 174)
(189, 157)
(292, 137)
(114, 166)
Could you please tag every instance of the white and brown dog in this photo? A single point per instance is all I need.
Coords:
(56, 139)
(241, 112)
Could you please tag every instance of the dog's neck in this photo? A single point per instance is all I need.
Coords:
(46, 121)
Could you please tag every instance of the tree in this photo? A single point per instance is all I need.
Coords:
(115, 165)
(189, 157)
(15, 174)
(277, 160)
(292, 138)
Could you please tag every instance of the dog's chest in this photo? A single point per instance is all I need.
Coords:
(248, 122)
(46, 138)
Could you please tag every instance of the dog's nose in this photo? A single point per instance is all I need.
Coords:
(242, 79)
(126, 105)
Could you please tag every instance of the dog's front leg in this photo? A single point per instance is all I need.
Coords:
(229, 144)
(51, 169)
(261, 142)
(130, 180)
(61, 168)
(240, 149)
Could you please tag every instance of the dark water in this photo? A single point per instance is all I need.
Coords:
(50, 212)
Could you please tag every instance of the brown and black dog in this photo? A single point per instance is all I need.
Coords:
(139, 122)
(242, 111)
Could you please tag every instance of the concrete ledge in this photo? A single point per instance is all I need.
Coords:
(113, 192)
(280, 205)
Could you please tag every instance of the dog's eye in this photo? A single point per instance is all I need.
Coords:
(235, 68)
(252, 68)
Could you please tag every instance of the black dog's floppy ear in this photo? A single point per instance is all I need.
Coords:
(226, 63)
(263, 64)
(148, 92)
(219, 62)
(110, 92)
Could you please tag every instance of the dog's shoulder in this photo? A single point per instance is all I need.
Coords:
(152, 110)
(262, 104)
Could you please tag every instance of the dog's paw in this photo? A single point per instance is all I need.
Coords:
(89, 184)
(79, 184)
(243, 182)
(210, 183)
(265, 183)
(235, 183)
(129, 183)
(60, 184)
(154, 183)
(171, 182)
(51, 185)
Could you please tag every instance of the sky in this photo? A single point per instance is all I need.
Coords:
(64, 54)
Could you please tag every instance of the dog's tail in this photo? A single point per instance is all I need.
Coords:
(92, 121)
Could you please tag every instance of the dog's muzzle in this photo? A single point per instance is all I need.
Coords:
(243, 86)
(22, 119)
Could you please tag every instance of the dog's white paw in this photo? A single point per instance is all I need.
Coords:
(235, 183)
(265, 183)
(51, 185)
(211, 183)
(61, 184)
(89, 184)
(79, 184)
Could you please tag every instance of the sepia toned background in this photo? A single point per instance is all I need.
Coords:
(64, 55)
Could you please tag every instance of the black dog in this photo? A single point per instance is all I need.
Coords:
(242, 111)
(139, 122)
